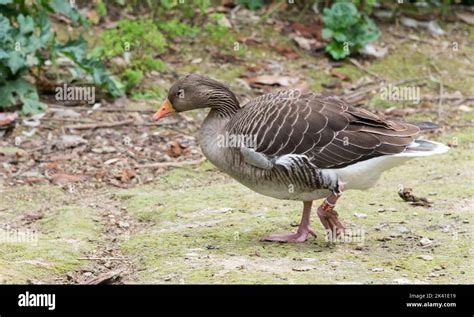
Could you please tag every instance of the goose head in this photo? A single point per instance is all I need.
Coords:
(195, 92)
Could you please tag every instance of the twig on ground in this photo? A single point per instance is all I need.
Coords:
(99, 125)
(103, 258)
(412, 38)
(113, 109)
(362, 68)
(70, 120)
(106, 278)
(367, 88)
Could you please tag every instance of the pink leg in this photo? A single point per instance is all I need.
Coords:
(304, 230)
(329, 217)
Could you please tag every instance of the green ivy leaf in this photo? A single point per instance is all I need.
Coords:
(62, 6)
(5, 27)
(3, 54)
(252, 4)
(16, 61)
(75, 49)
(32, 106)
(25, 91)
(7, 99)
(26, 24)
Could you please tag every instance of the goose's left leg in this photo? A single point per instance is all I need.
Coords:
(304, 230)
(329, 217)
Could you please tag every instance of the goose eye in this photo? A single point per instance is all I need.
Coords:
(180, 93)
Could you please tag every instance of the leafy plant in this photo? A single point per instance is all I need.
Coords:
(367, 5)
(101, 8)
(187, 8)
(252, 4)
(27, 42)
(214, 28)
(218, 33)
(174, 28)
(89, 67)
(132, 78)
(348, 29)
(137, 43)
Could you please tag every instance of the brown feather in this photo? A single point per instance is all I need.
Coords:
(329, 131)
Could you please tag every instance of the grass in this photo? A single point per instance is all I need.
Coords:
(202, 234)
(196, 225)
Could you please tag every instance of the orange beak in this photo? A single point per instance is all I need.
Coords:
(165, 109)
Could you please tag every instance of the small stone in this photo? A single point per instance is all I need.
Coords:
(425, 242)
(381, 210)
(377, 269)
(303, 269)
(360, 215)
(70, 141)
(392, 209)
(403, 229)
(123, 224)
(304, 259)
(66, 113)
(294, 224)
(402, 281)
(425, 257)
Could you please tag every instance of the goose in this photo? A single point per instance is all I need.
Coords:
(298, 146)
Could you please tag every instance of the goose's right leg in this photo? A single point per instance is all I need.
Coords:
(304, 229)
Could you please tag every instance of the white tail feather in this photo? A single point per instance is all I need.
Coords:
(423, 148)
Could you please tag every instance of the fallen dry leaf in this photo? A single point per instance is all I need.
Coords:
(7, 117)
(174, 149)
(453, 143)
(341, 76)
(407, 195)
(69, 141)
(288, 52)
(397, 112)
(35, 180)
(126, 175)
(464, 108)
(273, 80)
(332, 85)
(63, 179)
(466, 17)
(313, 31)
(304, 43)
